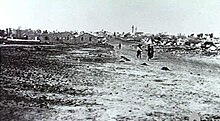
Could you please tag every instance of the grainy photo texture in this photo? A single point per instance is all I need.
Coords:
(109, 60)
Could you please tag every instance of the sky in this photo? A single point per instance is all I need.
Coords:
(150, 16)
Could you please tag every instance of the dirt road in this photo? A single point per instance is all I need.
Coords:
(65, 88)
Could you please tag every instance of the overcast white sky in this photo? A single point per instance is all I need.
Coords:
(153, 16)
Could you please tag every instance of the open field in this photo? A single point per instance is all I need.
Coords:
(88, 82)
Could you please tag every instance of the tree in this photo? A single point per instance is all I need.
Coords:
(39, 31)
(200, 35)
(45, 32)
(211, 35)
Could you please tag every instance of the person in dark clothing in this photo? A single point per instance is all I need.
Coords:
(119, 46)
(139, 52)
(150, 52)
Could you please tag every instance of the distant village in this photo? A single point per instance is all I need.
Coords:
(202, 40)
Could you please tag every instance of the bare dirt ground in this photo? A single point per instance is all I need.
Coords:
(89, 83)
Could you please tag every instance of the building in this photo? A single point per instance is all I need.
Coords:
(86, 38)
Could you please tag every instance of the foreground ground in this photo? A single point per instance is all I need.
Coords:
(89, 83)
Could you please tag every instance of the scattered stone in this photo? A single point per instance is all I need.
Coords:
(149, 114)
(216, 117)
(144, 64)
(71, 111)
(158, 80)
(126, 59)
(121, 61)
(186, 118)
(198, 74)
(165, 68)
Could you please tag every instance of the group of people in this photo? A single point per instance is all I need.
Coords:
(150, 51)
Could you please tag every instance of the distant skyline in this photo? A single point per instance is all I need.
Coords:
(151, 16)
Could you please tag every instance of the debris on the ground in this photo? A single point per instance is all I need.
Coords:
(165, 68)
(125, 58)
(145, 64)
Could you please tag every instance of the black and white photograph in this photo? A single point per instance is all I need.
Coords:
(109, 60)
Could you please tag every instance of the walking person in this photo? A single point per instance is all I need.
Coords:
(119, 46)
(150, 52)
(139, 50)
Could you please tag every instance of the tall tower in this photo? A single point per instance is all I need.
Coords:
(132, 29)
